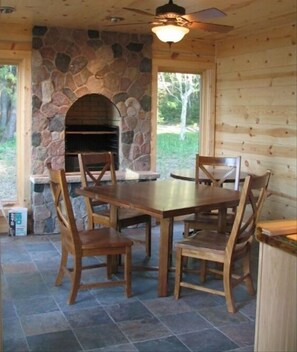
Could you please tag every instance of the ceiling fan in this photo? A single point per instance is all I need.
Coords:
(171, 23)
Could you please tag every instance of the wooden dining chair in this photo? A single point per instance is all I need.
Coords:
(217, 170)
(89, 243)
(99, 212)
(214, 247)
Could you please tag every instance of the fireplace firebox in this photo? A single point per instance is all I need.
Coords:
(92, 125)
(87, 139)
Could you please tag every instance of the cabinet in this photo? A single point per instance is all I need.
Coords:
(88, 139)
(276, 318)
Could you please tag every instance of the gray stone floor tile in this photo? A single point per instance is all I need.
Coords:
(37, 324)
(127, 347)
(87, 317)
(219, 316)
(128, 311)
(8, 309)
(144, 329)
(26, 285)
(242, 334)
(35, 305)
(15, 345)
(61, 341)
(100, 336)
(169, 344)
(12, 329)
(185, 322)
(209, 340)
(166, 305)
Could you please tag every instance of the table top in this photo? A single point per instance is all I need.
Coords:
(280, 233)
(164, 198)
(189, 175)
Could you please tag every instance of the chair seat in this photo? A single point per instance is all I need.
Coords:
(209, 218)
(103, 238)
(207, 242)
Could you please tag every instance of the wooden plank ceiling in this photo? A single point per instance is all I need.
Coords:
(247, 16)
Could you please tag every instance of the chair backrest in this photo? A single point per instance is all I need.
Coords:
(218, 169)
(101, 162)
(253, 195)
(65, 215)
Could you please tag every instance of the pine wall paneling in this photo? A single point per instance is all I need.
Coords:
(256, 110)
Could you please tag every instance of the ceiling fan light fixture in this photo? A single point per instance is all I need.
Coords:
(170, 33)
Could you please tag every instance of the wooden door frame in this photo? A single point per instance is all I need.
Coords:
(207, 117)
(22, 59)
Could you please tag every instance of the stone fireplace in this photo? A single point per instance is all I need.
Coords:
(73, 68)
(68, 64)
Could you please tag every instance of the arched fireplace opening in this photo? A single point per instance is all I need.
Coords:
(91, 125)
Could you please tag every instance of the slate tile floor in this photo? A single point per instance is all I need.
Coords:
(36, 316)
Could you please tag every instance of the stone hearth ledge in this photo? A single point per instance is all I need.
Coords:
(127, 175)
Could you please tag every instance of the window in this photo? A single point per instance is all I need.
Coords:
(22, 60)
(207, 101)
(8, 113)
(178, 117)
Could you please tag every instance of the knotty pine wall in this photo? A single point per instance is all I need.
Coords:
(256, 110)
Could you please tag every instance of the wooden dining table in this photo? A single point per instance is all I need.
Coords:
(189, 175)
(164, 200)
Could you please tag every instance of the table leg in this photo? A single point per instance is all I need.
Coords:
(222, 220)
(165, 229)
(114, 223)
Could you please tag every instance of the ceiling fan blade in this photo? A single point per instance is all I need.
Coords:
(212, 12)
(140, 12)
(211, 27)
(127, 24)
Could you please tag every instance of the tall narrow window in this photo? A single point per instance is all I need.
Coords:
(8, 106)
(178, 121)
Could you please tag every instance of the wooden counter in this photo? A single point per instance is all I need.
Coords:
(276, 317)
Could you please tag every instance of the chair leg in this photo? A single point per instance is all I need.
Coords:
(148, 238)
(203, 265)
(178, 272)
(63, 264)
(228, 288)
(170, 249)
(186, 229)
(247, 271)
(90, 223)
(76, 276)
(127, 272)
